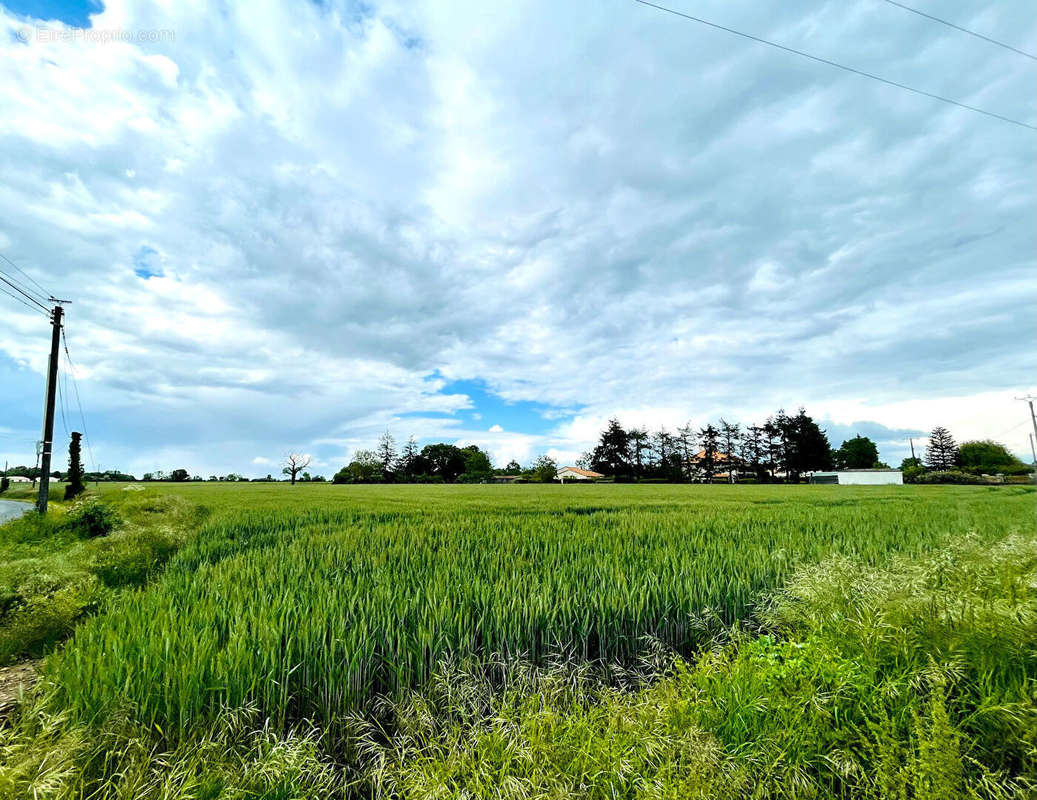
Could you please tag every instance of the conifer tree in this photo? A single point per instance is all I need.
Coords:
(75, 468)
(942, 452)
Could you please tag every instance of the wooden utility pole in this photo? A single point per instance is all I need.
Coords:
(48, 413)
(912, 448)
(1033, 418)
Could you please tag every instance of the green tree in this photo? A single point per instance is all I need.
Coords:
(612, 455)
(730, 436)
(387, 455)
(477, 464)
(752, 450)
(513, 468)
(859, 452)
(179, 475)
(408, 459)
(366, 467)
(941, 453)
(804, 445)
(987, 456)
(544, 469)
(637, 439)
(911, 463)
(75, 468)
(709, 440)
(443, 460)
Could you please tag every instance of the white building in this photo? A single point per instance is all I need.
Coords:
(860, 477)
(577, 474)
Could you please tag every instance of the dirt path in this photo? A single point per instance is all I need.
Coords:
(14, 680)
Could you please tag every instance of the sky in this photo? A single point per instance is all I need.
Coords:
(293, 226)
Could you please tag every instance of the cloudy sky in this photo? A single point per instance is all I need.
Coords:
(292, 226)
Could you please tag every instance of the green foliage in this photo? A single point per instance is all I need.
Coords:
(941, 454)
(913, 473)
(945, 476)
(544, 469)
(75, 487)
(913, 680)
(58, 569)
(611, 456)
(859, 452)
(364, 468)
(235, 758)
(251, 667)
(91, 518)
(310, 612)
(477, 465)
(989, 457)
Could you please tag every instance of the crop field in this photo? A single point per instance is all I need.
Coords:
(312, 609)
(307, 604)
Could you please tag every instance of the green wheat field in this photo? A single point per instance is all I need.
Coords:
(545, 641)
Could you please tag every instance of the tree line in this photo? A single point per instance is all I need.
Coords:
(782, 448)
(434, 463)
(948, 462)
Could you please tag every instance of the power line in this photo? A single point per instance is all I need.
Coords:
(61, 403)
(837, 65)
(45, 294)
(21, 291)
(20, 300)
(963, 30)
(79, 404)
(36, 296)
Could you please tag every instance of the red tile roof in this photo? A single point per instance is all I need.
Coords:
(584, 472)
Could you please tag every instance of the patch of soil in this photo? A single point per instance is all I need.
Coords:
(14, 681)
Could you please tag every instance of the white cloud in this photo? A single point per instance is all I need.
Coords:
(346, 202)
(496, 429)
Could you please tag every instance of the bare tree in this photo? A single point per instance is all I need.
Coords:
(294, 463)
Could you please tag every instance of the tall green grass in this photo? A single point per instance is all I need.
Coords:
(916, 680)
(310, 612)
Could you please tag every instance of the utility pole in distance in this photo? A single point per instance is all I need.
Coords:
(1033, 419)
(1029, 399)
(48, 413)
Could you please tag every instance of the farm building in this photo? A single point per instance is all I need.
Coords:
(859, 477)
(18, 479)
(577, 474)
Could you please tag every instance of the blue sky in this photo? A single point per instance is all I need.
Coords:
(71, 12)
(293, 227)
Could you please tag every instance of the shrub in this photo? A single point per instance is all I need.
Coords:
(948, 476)
(91, 518)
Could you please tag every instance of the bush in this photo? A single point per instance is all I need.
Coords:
(91, 518)
(948, 476)
(912, 474)
(132, 558)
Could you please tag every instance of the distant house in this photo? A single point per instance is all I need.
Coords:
(504, 478)
(577, 474)
(18, 479)
(859, 477)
